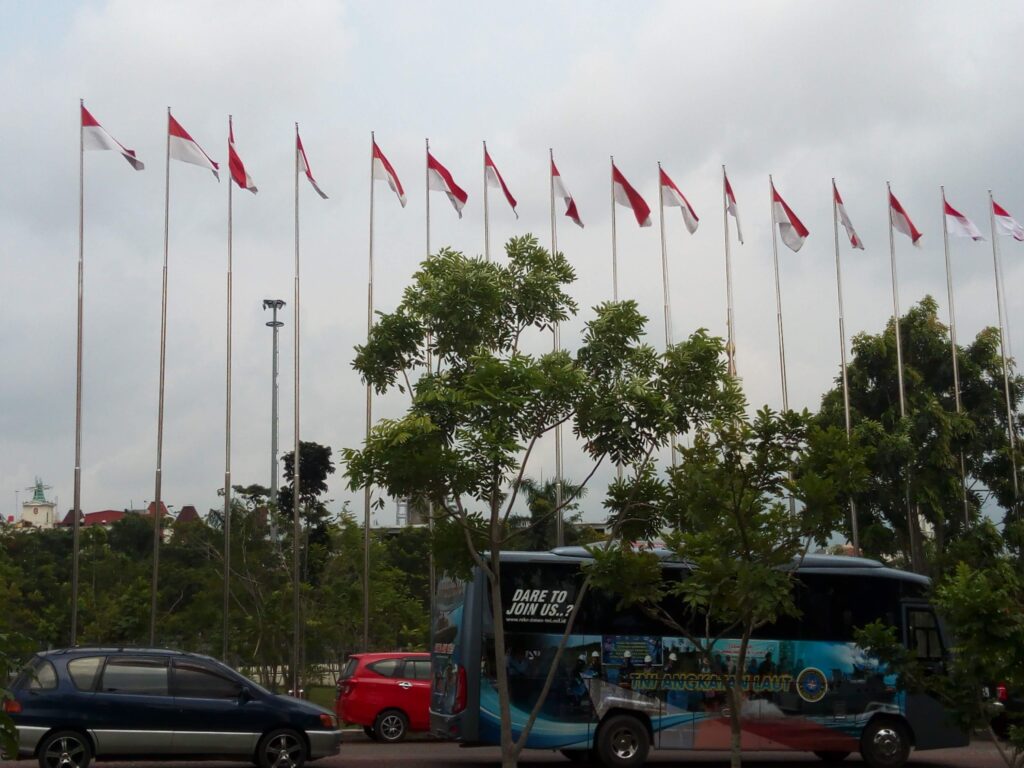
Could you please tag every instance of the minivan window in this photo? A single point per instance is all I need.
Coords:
(418, 669)
(350, 668)
(136, 675)
(84, 671)
(385, 667)
(196, 681)
(41, 675)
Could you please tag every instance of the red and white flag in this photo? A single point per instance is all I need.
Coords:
(730, 205)
(382, 169)
(855, 240)
(627, 196)
(671, 196)
(1006, 223)
(791, 229)
(900, 221)
(562, 191)
(440, 179)
(95, 137)
(235, 164)
(957, 224)
(493, 177)
(185, 148)
(304, 165)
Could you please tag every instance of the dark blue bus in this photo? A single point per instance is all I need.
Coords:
(626, 683)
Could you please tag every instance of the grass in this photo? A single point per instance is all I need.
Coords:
(322, 694)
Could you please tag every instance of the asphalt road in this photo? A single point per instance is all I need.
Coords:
(357, 751)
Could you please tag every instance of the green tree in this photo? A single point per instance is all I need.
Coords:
(537, 531)
(480, 404)
(723, 508)
(925, 448)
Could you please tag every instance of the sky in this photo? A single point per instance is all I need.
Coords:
(920, 95)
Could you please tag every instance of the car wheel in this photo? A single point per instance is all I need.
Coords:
(282, 748)
(65, 749)
(622, 742)
(578, 756)
(391, 726)
(832, 757)
(885, 744)
(368, 730)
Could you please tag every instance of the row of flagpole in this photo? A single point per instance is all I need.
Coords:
(181, 146)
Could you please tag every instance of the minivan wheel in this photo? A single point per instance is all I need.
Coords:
(65, 749)
(622, 742)
(282, 748)
(885, 744)
(391, 726)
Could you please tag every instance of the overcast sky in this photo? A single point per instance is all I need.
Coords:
(918, 94)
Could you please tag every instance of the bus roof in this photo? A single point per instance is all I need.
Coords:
(822, 564)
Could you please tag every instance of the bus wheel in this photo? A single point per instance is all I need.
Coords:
(885, 744)
(622, 742)
(832, 757)
(578, 756)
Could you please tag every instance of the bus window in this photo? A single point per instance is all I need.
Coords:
(923, 635)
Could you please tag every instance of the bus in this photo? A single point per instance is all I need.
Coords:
(626, 683)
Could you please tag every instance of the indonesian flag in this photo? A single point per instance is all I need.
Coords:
(563, 192)
(304, 165)
(493, 177)
(95, 137)
(382, 169)
(899, 219)
(791, 229)
(855, 240)
(671, 195)
(627, 196)
(957, 224)
(1007, 224)
(730, 205)
(185, 148)
(235, 164)
(440, 179)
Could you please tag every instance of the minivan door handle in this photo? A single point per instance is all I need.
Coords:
(404, 684)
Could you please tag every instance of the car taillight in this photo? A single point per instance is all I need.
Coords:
(329, 721)
(1001, 692)
(460, 691)
(12, 706)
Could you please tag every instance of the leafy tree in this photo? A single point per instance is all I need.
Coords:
(981, 599)
(316, 466)
(723, 510)
(480, 404)
(537, 531)
(925, 448)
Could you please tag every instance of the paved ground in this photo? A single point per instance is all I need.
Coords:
(357, 752)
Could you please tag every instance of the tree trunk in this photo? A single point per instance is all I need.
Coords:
(509, 754)
(736, 703)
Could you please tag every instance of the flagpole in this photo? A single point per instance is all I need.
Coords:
(487, 226)
(431, 565)
(730, 349)
(952, 347)
(1011, 431)
(369, 421)
(78, 378)
(615, 267)
(296, 456)
(557, 339)
(911, 513)
(227, 430)
(778, 296)
(160, 406)
(664, 283)
(854, 528)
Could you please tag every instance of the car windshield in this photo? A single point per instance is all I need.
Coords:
(234, 674)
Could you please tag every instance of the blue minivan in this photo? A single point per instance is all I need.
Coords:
(72, 705)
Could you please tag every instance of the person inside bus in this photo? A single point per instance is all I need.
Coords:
(594, 667)
(627, 670)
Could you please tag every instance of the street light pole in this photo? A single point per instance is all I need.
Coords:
(274, 305)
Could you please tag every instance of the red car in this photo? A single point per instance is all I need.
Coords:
(386, 693)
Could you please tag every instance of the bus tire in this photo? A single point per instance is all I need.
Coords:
(885, 743)
(622, 742)
(832, 757)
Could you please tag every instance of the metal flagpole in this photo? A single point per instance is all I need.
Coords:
(487, 227)
(296, 462)
(431, 565)
(227, 433)
(369, 420)
(911, 513)
(1011, 430)
(952, 347)
(615, 267)
(778, 316)
(557, 339)
(77, 511)
(664, 283)
(160, 407)
(854, 528)
(730, 349)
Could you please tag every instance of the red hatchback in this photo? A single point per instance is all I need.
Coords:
(386, 693)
